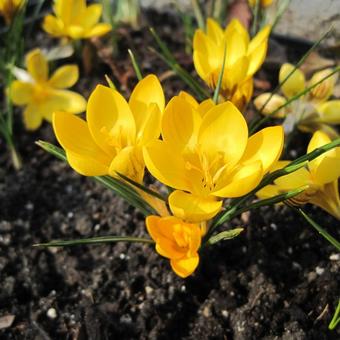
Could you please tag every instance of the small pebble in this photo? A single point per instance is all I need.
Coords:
(52, 313)
(319, 270)
(225, 313)
(334, 257)
(273, 226)
(122, 256)
(183, 288)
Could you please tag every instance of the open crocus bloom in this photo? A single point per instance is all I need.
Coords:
(42, 95)
(75, 20)
(177, 241)
(9, 8)
(112, 138)
(311, 112)
(320, 178)
(243, 58)
(206, 155)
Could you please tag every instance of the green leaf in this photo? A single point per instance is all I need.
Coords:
(320, 230)
(220, 77)
(110, 82)
(167, 56)
(336, 318)
(224, 235)
(135, 65)
(142, 187)
(94, 240)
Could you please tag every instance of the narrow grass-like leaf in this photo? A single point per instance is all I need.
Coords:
(336, 318)
(283, 5)
(167, 56)
(121, 188)
(220, 77)
(299, 63)
(320, 230)
(256, 14)
(110, 82)
(198, 14)
(258, 123)
(135, 65)
(142, 187)
(224, 235)
(94, 240)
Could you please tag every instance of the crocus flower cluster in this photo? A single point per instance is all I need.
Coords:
(319, 177)
(41, 95)
(75, 20)
(204, 153)
(232, 47)
(313, 111)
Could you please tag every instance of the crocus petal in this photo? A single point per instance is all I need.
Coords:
(235, 73)
(257, 50)
(37, 65)
(328, 199)
(242, 181)
(325, 89)
(214, 30)
(189, 98)
(21, 92)
(76, 32)
(185, 266)
(62, 100)
(109, 115)
(180, 123)
(193, 208)
(64, 77)
(329, 112)
(266, 146)
(272, 105)
(166, 165)
(63, 9)
(294, 84)
(205, 106)
(74, 136)
(268, 191)
(148, 91)
(53, 25)
(151, 128)
(324, 168)
(128, 162)
(91, 15)
(32, 118)
(99, 30)
(294, 180)
(224, 129)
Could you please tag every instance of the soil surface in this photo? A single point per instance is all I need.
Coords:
(278, 280)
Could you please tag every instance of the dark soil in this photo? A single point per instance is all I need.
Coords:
(278, 280)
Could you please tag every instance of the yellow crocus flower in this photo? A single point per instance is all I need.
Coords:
(263, 3)
(112, 138)
(74, 19)
(310, 112)
(205, 154)
(177, 241)
(320, 177)
(9, 8)
(243, 58)
(42, 95)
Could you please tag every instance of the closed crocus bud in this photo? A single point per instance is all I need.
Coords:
(325, 89)
(9, 8)
(295, 83)
(273, 104)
